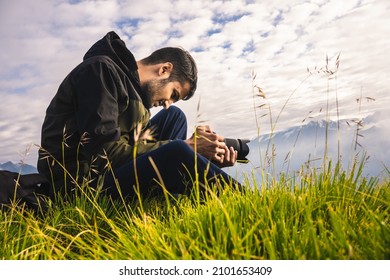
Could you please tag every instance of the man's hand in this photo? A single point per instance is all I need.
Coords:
(229, 158)
(212, 146)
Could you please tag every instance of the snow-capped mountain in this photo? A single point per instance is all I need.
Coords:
(307, 145)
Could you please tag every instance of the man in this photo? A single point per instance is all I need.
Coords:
(98, 125)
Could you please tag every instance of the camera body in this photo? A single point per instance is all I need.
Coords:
(240, 145)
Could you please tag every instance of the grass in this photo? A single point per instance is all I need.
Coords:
(332, 215)
(325, 213)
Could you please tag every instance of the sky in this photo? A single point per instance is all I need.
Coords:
(311, 59)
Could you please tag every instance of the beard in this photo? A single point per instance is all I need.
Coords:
(150, 89)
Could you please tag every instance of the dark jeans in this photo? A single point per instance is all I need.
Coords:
(172, 165)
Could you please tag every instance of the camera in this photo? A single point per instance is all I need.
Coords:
(240, 145)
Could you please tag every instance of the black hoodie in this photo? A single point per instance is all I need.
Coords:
(98, 110)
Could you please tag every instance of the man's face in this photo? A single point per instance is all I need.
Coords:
(162, 92)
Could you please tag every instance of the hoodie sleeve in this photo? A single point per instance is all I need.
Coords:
(119, 152)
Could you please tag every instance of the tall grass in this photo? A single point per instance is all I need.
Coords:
(326, 213)
(333, 215)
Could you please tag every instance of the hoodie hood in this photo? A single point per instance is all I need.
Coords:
(113, 47)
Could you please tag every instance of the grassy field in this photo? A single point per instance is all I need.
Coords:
(333, 214)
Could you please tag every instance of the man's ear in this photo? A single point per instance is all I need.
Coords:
(165, 69)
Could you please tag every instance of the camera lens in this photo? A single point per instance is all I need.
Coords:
(240, 145)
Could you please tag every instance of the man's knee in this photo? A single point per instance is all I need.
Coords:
(176, 114)
(171, 112)
(174, 110)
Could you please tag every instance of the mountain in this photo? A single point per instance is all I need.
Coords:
(306, 145)
(14, 167)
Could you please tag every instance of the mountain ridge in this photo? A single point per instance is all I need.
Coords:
(307, 144)
(18, 167)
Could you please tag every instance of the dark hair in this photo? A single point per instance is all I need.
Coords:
(184, 66)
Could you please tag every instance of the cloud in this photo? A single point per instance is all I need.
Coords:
(43, 40)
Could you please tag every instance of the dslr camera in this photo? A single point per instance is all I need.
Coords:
(241, 146)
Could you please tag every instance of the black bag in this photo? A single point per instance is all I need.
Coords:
(31, 190)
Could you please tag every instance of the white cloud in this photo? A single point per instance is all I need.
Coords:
(43, 40)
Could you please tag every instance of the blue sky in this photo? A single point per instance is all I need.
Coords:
(41, 41)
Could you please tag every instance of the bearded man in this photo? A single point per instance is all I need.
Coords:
(98, 127)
